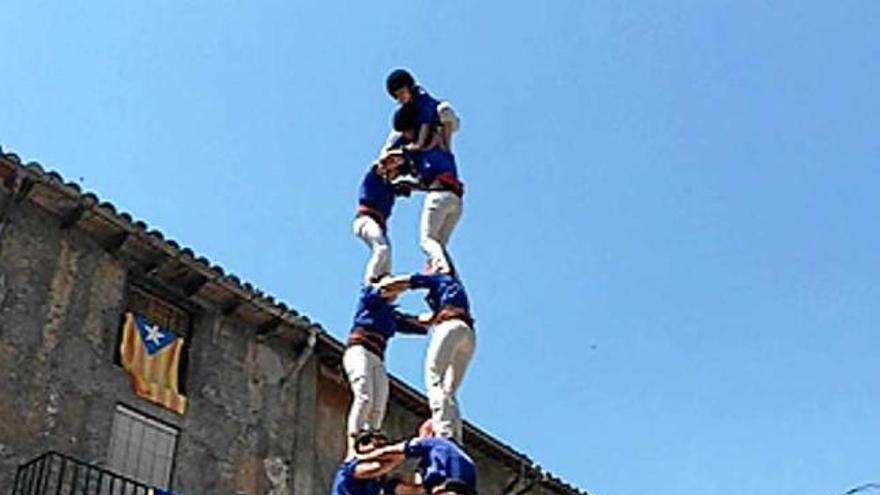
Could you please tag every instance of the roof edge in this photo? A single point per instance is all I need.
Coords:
(16, 175)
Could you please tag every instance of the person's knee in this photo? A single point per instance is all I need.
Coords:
(434, 374)
(363, 401)
(428, 240)
(382, 250)
(436, 396)
(360, 391)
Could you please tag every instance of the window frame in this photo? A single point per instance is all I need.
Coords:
(121, 408)
(148, 291)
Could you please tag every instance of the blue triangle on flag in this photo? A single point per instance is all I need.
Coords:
(153, 336)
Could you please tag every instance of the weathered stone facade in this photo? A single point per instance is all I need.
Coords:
(267, 404)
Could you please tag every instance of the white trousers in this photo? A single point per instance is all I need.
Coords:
(449, 352)
(440, 214)
(372, 234)
(369, 388)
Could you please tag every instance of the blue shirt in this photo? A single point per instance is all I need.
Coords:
(344, 483)
(441, 460)
(434, 162)
(443, 290)
(428, 164)
(426, 107)
(376, 314)
(376, 193)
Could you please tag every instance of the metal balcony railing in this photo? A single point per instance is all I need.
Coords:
(57, 474)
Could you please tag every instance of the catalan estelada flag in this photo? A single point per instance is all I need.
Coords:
(151, 355)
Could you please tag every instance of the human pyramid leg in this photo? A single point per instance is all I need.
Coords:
(449, 353)
(421, 150)
(379, 264)
(369, 386)
(440, 214)
(380, 398)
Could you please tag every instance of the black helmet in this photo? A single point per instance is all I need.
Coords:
(405, 118)
(399, 78)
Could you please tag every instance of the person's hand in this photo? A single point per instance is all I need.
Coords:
(402, 189)
(426, 318)
(393, 161)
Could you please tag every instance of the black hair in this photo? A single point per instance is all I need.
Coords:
(367, 436)
(405, 118)
(399, 78)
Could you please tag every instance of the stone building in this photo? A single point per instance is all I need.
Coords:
(266, 401)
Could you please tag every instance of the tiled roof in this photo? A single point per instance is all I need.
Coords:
(71, 203)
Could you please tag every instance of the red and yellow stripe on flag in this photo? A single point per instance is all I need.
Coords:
(151, 355)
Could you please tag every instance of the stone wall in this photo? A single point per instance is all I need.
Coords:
(259, 420)
(62, 299)
(58, 323)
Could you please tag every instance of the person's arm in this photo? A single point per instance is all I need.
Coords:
(404, 185)
(426, 319)
(378, 467)
(402, 190)
(409, 324)
(446, 136)
(422, 281)
(394, 449)
(422, 139)
(427, 117)
(395, 139)
(373, 296)
(394, 285)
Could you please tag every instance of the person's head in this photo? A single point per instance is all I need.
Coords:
(406, 121)
(390, 163)
(400, 85)
(367, 441)
(454, 487)
(386, 293)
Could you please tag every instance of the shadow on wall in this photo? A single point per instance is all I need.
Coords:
(2, 288)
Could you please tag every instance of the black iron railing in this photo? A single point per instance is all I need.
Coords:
(57, 474)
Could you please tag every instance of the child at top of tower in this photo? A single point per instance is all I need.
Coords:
(436, 119)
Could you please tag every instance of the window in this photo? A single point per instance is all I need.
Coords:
(159, 311)
(163, 313)
(142, 448)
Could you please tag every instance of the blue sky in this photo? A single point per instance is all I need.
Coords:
(671, 233)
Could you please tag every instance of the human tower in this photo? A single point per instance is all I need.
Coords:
(416, 157)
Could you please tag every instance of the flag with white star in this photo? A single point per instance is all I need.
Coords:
(151, 355)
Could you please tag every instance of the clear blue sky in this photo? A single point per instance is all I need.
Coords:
(672, 226)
